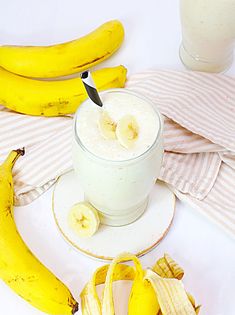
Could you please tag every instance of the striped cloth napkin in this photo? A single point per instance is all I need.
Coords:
(199, 141)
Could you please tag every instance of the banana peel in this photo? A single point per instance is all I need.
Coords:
(89, 298)
(155, 291)
(171, 295)
(166, 267)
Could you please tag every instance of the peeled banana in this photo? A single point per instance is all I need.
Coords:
(152, 293)
(65, 58)
(19, 268)
(142, 298)
(84, 219)
(53, 98)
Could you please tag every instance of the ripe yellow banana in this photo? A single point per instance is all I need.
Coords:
(19, 268)
(53, 98)
(142, 298)
(153, 292)
(66, 58)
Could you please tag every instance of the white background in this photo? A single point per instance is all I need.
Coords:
(152, 41)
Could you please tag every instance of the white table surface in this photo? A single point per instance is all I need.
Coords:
(152, 40)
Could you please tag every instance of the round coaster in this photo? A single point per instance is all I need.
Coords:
(138, 237)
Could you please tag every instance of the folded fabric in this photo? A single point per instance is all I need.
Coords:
(199, 141)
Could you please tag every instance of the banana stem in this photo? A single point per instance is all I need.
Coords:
(12, 157)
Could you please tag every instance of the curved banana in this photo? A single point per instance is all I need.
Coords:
(157, 291)
(19, 268)
(65, 58)
(142, 299)
(53, 98)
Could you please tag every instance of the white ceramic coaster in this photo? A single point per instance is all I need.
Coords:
(138, 237)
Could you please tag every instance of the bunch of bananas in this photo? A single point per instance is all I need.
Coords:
(58, 97)
(19, 268)
(156, 291)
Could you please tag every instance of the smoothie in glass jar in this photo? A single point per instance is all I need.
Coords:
(117, 154)
(208, 31)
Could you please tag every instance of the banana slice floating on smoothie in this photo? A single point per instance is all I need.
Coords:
(107, 126)
(127, 131)
(84, 219)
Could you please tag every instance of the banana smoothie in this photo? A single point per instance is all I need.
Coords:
(208, 29)
(117, 154)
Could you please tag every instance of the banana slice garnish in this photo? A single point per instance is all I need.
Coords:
(84, 219)
(107, 126)
(127, 131)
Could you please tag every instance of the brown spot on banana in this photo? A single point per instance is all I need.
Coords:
(21, 279)
(8, 209)
(57, 104)
(87, 64)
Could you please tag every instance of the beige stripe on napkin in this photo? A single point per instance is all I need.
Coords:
(199, 141)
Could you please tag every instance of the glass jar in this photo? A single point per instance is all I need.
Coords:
(119, 189)
(208, 34)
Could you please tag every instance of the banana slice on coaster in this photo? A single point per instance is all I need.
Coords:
(84, 219)
(107, 126)
(127, 131)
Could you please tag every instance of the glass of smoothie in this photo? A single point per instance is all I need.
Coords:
(117, 154)
(208, 34)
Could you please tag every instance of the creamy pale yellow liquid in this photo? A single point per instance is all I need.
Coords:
(116, 180)
(208, 31)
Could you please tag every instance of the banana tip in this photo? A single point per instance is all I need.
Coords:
(20, 151)
(75, 308)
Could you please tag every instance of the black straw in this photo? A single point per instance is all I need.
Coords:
(90, 88)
